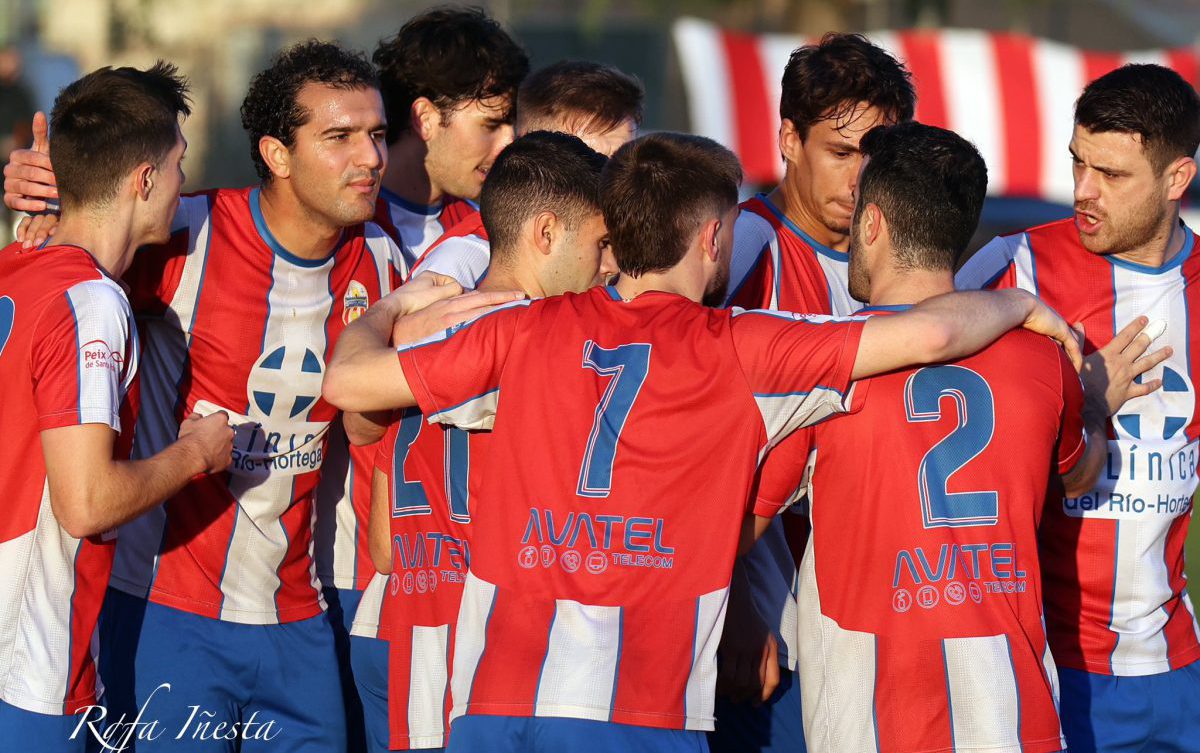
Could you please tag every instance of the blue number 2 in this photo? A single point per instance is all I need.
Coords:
(976, 423)
(409, 497)
(8, 310)
(627, 365)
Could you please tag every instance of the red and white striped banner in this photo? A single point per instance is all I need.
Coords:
(1012, 95)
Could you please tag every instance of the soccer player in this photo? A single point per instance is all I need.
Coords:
(1120, 623)
(628, 421)
(790, 254)
(920, 597)
(240, 309)
(449, 80)
(541, 205)
(598, 103)
(68, 354)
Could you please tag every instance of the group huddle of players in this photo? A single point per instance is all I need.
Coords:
(656, 482)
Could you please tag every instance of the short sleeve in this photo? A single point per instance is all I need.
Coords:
(455, 375)
(1072, 437)
(80, 357)
(783, 474)
(991, 267)
(797, 366)
(465, 258)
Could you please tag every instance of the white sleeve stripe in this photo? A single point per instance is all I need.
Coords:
(475, 414)
(101, 334)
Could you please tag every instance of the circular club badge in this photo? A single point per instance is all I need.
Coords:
(902, 600)
(927, 597)
(570, 561)
(527, 557)
(955, 593)
(597, 563)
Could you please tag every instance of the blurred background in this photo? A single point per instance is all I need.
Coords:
(1004, 73)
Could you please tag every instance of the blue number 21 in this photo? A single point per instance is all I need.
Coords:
(976, 422)
(627, 365)
(409, 497)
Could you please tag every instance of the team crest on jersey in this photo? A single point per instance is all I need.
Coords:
(355, 302)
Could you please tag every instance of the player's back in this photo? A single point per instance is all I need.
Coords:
(626, 437)
(60, 366)
(922, 576)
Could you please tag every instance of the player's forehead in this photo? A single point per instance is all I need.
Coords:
(848, 122)
(495, 109)
(1109, 149)
(339, 107)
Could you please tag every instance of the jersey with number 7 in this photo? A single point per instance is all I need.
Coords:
(626, 435)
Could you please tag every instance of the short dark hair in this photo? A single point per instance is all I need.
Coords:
(541, 171)
(1149, 100)
(929, 184)
(825, 80)
(450, 56)
(109, 122)
(590, 95)
(271, 107)
(657, 190)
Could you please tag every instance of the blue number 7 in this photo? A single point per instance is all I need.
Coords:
(972, 395)
(627, 365)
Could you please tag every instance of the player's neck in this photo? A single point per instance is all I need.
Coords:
(1162, 247)
(786, 198)
(674, 280)
(906, 287)
(106, 237)
(299, 231)
(501, 277)
(406, 176)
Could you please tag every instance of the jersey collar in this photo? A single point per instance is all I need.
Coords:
(818, 247)
(264, 232)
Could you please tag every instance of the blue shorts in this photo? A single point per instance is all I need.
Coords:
(1107, 714)
(50, 733)
(343, 605)
(217, 687)
(539, 734)
(776, 726)
(369, 656)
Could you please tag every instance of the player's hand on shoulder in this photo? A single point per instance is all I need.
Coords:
(1108, 374)
(212, 438)
(1046, 321)
(28, 175)
(36, 229)
(445, 313)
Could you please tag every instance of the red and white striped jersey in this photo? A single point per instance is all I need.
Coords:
(68, 354)
(778, 266)
(1113, 559)
(232, 321)
(607, 523)
(464, 253)
(343, 504)
(920, 602)
(429, 493)
(415, 227)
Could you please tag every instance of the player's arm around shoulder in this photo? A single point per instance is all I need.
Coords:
(365, 373)
(952, 326)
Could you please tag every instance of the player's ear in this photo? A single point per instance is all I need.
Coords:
(1179, 177)
(544, 228)
(790, 142)
(708, 238)
(873, 223)
(276, 155)
(143, 180)
(426, 117)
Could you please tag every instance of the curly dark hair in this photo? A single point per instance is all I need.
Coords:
(826, 80)
(270, 107)
(450, 56)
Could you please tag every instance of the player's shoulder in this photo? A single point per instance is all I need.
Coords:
(51, 268)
